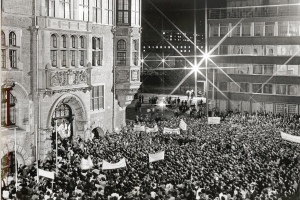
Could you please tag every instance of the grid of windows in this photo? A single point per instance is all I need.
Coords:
(97, 98)
(84, 10)
(108, 12)
(97, 11)
(65, 8)
(135, 12)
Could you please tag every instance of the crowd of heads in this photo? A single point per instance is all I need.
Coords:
(243, 157)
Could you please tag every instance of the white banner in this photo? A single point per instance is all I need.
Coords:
(156, 156)
(46, 174)
(64, 130)
(120, 164)
(86, 164)
(183, 125)
(171, 131)
(291, 138)
(214, 120)
(152, 130)
(137, 128)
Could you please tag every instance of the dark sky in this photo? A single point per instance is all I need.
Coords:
(166, 14)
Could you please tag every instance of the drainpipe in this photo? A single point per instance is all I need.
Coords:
(114, 69)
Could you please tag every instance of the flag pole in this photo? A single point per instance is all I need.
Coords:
(16, 167)
(36, 155)
(56, 146)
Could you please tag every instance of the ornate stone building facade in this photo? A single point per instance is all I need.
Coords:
(70, 63)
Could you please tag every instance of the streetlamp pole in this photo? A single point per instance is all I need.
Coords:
(206, 39)
(195, 52)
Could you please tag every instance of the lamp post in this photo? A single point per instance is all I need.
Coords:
(195, 54)
(206, 58)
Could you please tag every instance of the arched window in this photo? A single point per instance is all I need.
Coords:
(97, 53)
(12, 39)
(3, 38)
(64, 41)
(121, 45)
(73, 41)
(81, 42)
(54, 41)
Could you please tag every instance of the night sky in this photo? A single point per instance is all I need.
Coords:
(166, 14)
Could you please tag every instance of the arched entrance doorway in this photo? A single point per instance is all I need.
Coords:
(98, 133)
(8, 164)
(63, 118)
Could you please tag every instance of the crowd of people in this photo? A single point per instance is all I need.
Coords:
(243, 157)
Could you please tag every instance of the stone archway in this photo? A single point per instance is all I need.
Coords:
(78, 111)
(98, 133)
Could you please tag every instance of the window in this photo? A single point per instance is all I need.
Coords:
(3, 56)
(236, 31)
(269, 28)
(246, 29)
(282, 50)
(97, 11)
(241, 69)
(73, 57)
(8, 108)
(292, 90)
(84, 10)
(108, 12)
(12, 39)
(64, 58)
(64, 41)
(53, 41)
(223, 50)
(121, 45)
(244, 87)
(122, 11)
(97, 97)
(13, 58)
(51, 8)
(135, 52)
(270, 50)
(294, 28)
(257, 69)
(82, 58)
(3, 43)
(121, 58)
(214, 30)
(223, 86)
(282, 28)
(257, 88)
(280, 89)
(223, 29)
(73, 41)
(258, 50)
(135, 13)
(53, 57)
(65, 10)
(268, 69)
(97, 51)
(258, 29)
(268, 88)
(82, 43)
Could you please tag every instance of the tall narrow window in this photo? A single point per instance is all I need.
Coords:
(121, 54)
(64, 41)
(3, 43)
(3, 55)
(8, 107)
(65, 6)
(53, 41)
(73, 41)
(64, 58)
(12, 39)
(73, 57)
(97, 51)
(269, 28)
(51, 8)
(108, 12)
(258, 29)
(53, 51)
(135, 13)
(123, 11)
(82, 43)
(246, 29)
(97, 14)
(13, 58)
(82, 56)
(97, 98)
(84, 10)
(135, 52)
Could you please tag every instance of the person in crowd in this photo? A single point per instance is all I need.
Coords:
(243, 157)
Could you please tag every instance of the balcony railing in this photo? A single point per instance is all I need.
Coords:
(245, 12)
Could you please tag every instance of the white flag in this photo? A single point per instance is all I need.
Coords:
(120, 164)
(156, 156)
(86, 163)
(46, 174)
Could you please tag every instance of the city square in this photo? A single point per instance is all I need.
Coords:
(152, 99)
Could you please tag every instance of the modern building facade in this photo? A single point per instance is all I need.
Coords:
(70, 63)
(259, 59)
